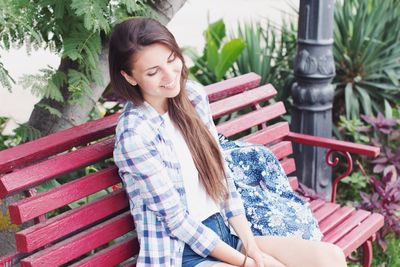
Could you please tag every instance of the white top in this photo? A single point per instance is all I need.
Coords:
(200, 205)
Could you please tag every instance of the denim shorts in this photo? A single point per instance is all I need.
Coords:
(216, 223)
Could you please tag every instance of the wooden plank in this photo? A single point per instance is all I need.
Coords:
(45, 170)
(251, 119)
(316, 204)
(288, 165)
(112, 255)
(294, 183)
(361, 233)
(346, 226)
(337, 145)
(41, 234)
(55, 143)
(81, 243)
(268, 135)
(282, 149)
(232, 86)
(335, 218)
(29, 208)
(243, 100)
(326, 210)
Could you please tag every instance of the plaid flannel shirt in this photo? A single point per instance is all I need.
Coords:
(153, 180)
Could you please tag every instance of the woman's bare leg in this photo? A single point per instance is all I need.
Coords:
(296, 252)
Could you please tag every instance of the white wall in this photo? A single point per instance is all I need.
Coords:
(187, 26)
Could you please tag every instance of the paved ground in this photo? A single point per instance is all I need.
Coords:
(187, 26)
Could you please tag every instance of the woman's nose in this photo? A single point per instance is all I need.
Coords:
(169, 74)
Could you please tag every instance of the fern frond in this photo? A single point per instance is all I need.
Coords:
(132, 6)
(5, 78)
(79, 86)
(51, 110)
(93, 13)
(84, 47)
(27, 132)
(46, 84)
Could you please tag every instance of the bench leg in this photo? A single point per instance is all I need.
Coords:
(367, 253)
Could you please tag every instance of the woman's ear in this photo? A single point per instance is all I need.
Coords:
(128, 78)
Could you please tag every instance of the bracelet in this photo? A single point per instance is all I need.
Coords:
(245, 258)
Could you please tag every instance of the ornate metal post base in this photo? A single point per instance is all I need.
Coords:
(313, 92)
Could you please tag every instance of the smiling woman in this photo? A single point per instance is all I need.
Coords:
(181, 197)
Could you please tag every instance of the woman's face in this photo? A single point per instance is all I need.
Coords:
(157, 71)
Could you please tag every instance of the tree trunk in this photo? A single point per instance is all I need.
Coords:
(166, 9)
(72, 114)
(76, 114)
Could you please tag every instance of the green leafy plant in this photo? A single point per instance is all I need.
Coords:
(269, 52)
(354, 129)
(21, 134)
(367, 56)
(74, 30)
(218, 56)
(349, 194)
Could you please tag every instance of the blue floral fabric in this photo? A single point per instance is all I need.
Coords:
(271, 206)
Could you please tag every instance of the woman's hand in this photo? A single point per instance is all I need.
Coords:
(265, 261)
(258, 258)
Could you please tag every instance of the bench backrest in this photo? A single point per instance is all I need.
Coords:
(99, 232)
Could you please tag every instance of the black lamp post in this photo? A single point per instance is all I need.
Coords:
(313, 93)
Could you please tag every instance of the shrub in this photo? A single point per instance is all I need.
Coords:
(218, 56)
(367, 56)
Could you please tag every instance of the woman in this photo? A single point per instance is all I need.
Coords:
(170, 161)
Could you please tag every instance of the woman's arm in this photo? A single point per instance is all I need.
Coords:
(228, 254)
(143, 172)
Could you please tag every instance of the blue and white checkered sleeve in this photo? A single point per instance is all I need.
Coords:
(141, 163)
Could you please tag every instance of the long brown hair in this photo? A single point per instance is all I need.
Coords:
(127, 39)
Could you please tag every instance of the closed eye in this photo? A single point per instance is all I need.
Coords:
(153, 73)
(172, 57)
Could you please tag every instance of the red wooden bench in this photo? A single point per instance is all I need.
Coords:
(100, 232)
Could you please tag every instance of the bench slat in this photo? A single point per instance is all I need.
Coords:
(52, 144)
(268, 135)
(294, 183)
(41, 234)
(52, 167)
(232, 86)
(282, 149)
(356, 237)
(326, 210)
(316, 204)
(346, 226)
(288, 165)
(335, 218)
(112, 255)
(81, 243)
(246, 99)
(29, 208)
(249, 120)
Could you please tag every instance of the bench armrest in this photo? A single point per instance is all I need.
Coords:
(333, 144)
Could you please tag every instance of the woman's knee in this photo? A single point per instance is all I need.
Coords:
(330, 255)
